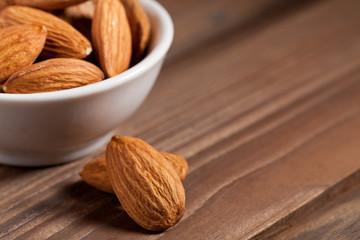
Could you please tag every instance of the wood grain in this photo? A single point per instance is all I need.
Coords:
(264, 105)
(214, 20)
(336, 219)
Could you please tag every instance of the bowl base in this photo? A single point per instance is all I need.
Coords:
(42, 159)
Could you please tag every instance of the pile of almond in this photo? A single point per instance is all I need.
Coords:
(146, 182)
(33, 31)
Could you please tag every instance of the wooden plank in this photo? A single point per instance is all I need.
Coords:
(350, 232)
(336, 219)
(277, 166)
(251, 89)
(198, 23)
(60, 214)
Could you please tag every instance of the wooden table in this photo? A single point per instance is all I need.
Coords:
(262, 98)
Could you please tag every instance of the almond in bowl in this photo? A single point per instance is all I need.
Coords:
(120, 35)
(58, 109)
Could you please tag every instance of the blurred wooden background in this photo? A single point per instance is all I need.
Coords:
(262, 97)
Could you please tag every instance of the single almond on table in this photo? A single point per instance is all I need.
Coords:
(140, 28)
(19, 47)
(53, 75)
(63, 40)
(146, 185)
(111, 37)
(95, 172)
(46, 4)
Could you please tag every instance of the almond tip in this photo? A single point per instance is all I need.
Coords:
(88, 51)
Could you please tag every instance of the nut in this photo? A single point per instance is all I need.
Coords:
(84, 10)
(95, 172)
(53, 75)
(46, 4)
(120, 32)
(62, 40)
(140, 28)
(178, 163)
(19, 47)
(3, 4)
(145, 183)
(111, 37)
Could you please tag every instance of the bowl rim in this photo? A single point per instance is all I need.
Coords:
(159, 51)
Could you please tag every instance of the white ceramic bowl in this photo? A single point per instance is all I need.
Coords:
(50, 128)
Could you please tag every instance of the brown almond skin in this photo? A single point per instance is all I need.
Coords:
(3, 4)
(111, 37)
(95, 172)
(179, 164)
(145, 183)
(63, 41)
(85, 10)
(140, 28)
(19, 47)
(53, 75)
(46, 4)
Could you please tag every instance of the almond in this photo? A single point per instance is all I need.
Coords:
(140, 28)
(3, 4)
(62, 41)
(53, 75)
(46, 4)
(146, 185)
(95, 172)
(84, 10)
(178, 163)
(111, 37)
(19, 47)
